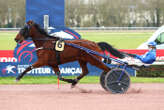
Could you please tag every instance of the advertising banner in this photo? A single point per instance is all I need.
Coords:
(14, 62)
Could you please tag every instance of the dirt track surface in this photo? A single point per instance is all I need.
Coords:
(83, 97)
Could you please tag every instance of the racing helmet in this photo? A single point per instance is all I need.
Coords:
(153, 44)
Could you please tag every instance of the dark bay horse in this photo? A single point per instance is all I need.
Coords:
(48, 56)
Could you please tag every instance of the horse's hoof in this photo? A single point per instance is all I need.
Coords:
(72, 86)
(74, 82)
(16, 80)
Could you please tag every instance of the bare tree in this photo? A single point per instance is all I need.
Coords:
(81, 13)
(12, 13)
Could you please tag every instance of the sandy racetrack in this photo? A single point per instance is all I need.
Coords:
(83, 97)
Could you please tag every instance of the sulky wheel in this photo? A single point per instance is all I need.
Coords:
(117, 81)
(102, 80)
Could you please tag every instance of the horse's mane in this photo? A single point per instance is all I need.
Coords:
(42, 31)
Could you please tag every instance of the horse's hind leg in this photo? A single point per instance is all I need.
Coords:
(96, 62)
(57, 72)
(83, 65)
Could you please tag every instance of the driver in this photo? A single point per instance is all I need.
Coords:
(149, 57)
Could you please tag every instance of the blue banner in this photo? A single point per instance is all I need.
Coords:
(69, 69)
(36, 9)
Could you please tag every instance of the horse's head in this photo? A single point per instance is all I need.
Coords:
(33, 30)
(24, 32)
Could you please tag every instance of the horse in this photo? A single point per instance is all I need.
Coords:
(49, 56)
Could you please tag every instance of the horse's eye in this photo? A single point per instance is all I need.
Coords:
(22, 31)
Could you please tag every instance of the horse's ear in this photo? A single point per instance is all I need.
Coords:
(30, 22)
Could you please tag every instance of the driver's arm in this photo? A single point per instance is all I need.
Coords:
(148, 58)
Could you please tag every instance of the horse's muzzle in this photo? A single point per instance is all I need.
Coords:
(18, 40)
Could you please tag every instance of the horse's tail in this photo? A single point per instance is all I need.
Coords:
(105, 46)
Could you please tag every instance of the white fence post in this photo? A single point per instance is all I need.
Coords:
(46, 22)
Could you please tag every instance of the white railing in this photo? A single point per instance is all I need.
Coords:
(95, 28)
(114, 28)
(9, 29)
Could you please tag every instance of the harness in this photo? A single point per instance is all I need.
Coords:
(58, 48)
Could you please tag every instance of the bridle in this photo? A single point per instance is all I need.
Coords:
(25, 33)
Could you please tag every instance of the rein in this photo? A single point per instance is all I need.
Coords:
(46, 38)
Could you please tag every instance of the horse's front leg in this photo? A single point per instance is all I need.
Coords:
(35, 65)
